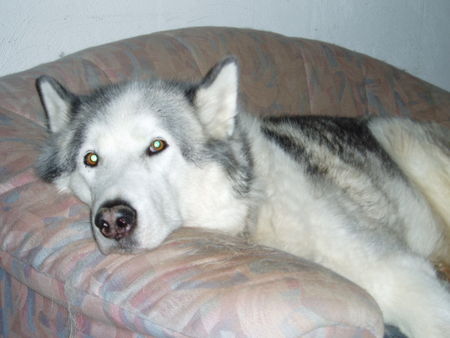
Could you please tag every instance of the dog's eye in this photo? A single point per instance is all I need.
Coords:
(156, 146)
(91, 159)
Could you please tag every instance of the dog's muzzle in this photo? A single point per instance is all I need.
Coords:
(116, 219)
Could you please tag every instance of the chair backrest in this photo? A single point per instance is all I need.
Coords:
(279, 74)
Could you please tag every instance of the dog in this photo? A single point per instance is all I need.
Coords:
(366, 197)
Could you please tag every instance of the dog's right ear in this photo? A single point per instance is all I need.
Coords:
(57, 102)
(216, 98)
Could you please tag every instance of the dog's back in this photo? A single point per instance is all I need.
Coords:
(377, 163)
(366, 198)
(393, 172)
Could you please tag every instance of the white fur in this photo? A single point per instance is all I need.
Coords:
(217, 208)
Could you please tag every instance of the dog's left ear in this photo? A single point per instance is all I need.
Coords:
(216, 98)
(57, 102)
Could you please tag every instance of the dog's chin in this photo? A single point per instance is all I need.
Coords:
(117, 249)
(125, 246)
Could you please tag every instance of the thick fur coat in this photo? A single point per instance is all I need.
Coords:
(368, 198)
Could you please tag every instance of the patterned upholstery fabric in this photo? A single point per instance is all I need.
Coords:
(55, 282)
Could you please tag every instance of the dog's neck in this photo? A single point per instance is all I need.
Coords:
(268, 174)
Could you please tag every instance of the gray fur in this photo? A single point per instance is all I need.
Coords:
(349, 139)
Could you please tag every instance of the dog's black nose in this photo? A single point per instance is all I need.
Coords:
(116, 219)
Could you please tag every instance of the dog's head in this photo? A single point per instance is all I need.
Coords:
(149, 157)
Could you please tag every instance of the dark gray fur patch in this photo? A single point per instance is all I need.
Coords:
(391, 331)
(54, 159)
(48, 165)
(234, 155)
(349, 139)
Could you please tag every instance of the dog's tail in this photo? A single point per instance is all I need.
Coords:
(422, 151)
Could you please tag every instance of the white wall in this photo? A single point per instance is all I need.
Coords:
(411, 34)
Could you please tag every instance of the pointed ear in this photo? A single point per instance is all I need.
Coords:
(216, 98)
(57, 102)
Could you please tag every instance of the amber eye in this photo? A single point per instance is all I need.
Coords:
(156, 146)
(91, 159)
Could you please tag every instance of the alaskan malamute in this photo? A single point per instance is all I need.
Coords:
(368, 198)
